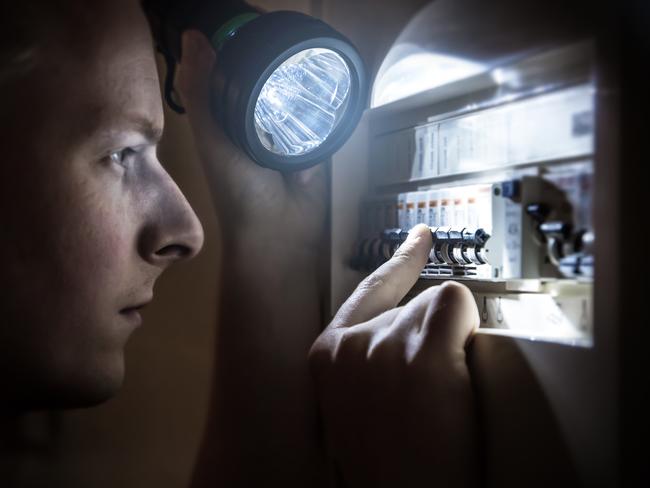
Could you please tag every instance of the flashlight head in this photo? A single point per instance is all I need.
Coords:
(287, 89)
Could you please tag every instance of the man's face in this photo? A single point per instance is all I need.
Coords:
(90, 218)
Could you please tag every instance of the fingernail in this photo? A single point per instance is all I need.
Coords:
(420, 236)
(417, 232)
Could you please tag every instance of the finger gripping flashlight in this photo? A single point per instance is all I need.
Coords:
(288, 89)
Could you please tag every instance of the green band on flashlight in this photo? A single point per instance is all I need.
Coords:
(228, 29)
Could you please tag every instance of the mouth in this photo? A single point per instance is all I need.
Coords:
(132, 313)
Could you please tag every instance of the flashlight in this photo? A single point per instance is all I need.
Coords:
(288, 89)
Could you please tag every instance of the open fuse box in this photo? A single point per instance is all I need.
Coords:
(500, 167)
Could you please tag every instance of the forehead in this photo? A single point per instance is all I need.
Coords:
(115, 65)
(116, 85)
(99, 72)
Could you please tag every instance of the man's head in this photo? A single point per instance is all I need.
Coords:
(90, 219)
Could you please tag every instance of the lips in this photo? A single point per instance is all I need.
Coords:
(132, 312)
(134, 308)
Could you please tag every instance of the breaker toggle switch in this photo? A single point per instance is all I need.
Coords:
(473, 246)
(392, 239)
(440, 237)
(451, 247)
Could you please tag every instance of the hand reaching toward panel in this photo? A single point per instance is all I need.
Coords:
(394, 388)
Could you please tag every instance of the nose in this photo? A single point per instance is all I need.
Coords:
(172, 231)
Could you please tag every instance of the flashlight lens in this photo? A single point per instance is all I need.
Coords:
(302, 102)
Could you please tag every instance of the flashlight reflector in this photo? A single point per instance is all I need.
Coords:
(302, 102)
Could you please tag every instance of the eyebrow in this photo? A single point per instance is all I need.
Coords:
(144, 125)
(103, 132)
(130, 123)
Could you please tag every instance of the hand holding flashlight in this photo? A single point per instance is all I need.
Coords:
(256, 204)
(273, 227)
(289, 89)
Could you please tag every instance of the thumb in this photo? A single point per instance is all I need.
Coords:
(450, 318)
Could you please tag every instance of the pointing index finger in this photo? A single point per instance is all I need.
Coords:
(384, 288)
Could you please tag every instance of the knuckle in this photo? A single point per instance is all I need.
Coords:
(316, 355)
(450, 296)
(332, 349)
(403, 254)
(320, 354)
(379, 280)
(379, 346)
(386, 352)
(346, 343)
(372, 282)
(459, 301)
(451, 316)
(452, 291)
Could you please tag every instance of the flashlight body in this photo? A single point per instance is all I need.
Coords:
(170, 18)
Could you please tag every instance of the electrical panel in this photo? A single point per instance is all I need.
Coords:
(503, 177)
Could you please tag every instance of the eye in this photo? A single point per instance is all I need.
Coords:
(124, 157)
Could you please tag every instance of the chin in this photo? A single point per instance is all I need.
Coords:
(95, 386)
(91, 395)
(88, 386)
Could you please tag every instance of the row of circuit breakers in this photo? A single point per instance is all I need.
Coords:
(520, 206)
(533, 225)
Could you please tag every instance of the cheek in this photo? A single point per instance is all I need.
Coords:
(102, 237)
(61, 234)
(80, 242)
(74, 267)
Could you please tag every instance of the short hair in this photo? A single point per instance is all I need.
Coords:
(27, 27)
(18, 38)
